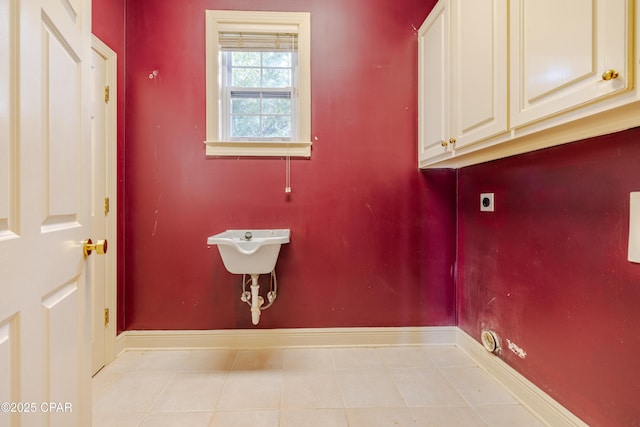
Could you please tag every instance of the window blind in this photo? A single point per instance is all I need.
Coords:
(268, 94)
(272, 42)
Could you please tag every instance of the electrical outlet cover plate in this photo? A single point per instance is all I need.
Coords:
(634, 227)
(486, 202)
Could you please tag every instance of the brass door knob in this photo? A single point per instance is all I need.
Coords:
(452, 141)
(100, 247)
(609, 75)
(444, 143)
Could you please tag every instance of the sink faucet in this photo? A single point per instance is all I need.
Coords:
(248, 235)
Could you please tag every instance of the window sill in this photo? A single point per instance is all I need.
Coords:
(259, 148)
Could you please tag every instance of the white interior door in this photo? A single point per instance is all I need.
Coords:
(102, 277)
(98, 222)
(44, 212)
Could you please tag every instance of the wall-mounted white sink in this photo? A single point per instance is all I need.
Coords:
(250, 251)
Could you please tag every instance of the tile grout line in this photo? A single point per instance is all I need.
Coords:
(475, 407)
(469, 405)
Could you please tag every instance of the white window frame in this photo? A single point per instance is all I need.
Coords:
(253, 22)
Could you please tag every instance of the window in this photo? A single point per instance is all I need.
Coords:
(258, 84)
(257, 89)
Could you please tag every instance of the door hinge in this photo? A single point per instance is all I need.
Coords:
(106, 316)
(106, 205)
(106, 93)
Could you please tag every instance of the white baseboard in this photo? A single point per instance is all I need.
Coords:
(529, 395)
(524, 390)
(285, 338)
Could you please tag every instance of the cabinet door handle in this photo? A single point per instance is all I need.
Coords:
(444, 143)
(609, 74)
(452, 141)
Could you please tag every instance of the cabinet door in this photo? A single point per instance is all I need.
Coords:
(433, 85)
(479, 70)
(560, 50)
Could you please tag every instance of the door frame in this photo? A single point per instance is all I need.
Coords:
(111, 187)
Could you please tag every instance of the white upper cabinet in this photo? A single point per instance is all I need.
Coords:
(479, 70)
(462, 81)
(503, 77)
(565, 54)
(434, 82)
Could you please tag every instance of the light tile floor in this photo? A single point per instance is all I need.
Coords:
(359, 386)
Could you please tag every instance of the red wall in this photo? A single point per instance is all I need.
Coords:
(548, 271)
(108, 25)
(372, 238)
